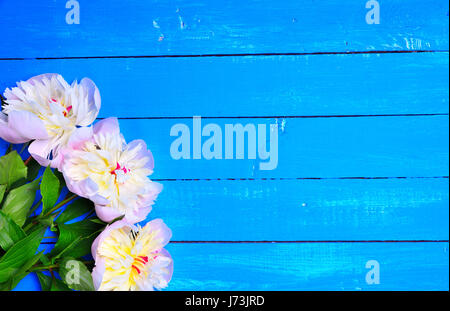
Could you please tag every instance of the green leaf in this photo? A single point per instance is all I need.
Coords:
(12, 169)
(33, 169)
(117, 219)
(76, 209)
(98, 221)
(23, 271)
(45, 281)
(10, 232)
(81, 247)
(6, 286)
(49, 190)
(45, 260)
(60, 176)
(73, 239)
(2, 192)
(51, 284)
(19, 201)
(20, 253)
(25, 146)
(47, 221)
(76, 275)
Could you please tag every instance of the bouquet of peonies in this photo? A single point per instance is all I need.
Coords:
(83, 185)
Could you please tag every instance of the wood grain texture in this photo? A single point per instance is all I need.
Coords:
(405, 266)
(324, 147)
(407, 209)
(256, 86)
(205, 27)
(303, 266)
(363, 129)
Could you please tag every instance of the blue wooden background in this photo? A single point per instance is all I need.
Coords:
(363, 142)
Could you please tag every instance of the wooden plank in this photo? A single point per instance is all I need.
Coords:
(290, 210)
(407, 209)
(403, 266)
(324, 147)
(113, 27)
(319, 148)
(303, 266)
(256, 86)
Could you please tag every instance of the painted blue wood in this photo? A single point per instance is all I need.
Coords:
(409, 266)
(113, 27)
(286, 208)
(3, 147)
(303, 266)
(323, 147)
(407, 209)
(256, 86)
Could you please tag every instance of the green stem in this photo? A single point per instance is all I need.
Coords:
(35, 207)
(27, 227)
(35, 219)
(24, 146)
(42, 268)
(27, 161)
(55, 266)
(61, 204)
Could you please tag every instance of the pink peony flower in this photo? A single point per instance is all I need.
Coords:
(100, 166)
(47, 110)
(128, 257)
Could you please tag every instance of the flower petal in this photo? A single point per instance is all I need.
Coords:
(93, 94)
(79, 137)
(167, 276)
(8, 134)
(109, 125)
(108, 214)
(39, 150)
(105, 233)
(98, 272)
(143, 152)
(163, 233)
(134, 217)
(27, 125)
(46, 76)
(151, 194)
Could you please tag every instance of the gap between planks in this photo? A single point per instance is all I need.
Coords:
(291, 117)
(299, 178)
(228, 55)
(298, 242)
(312, 241)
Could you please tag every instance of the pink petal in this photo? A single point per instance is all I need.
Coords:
(93, 93)
(163, 233)
(79, 137)
(8, 134)
(106, 213)
(39, 150)
(57, 161)
(27, 124)
(134, 217)
(152, 193)
(98, 272)
(168, 276)
(109, 125)
(143, 152)
(117, 225)
(46, 76)
(85, 188)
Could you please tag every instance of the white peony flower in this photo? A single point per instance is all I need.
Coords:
(129, 257)
(100, 166)
(47, 110)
